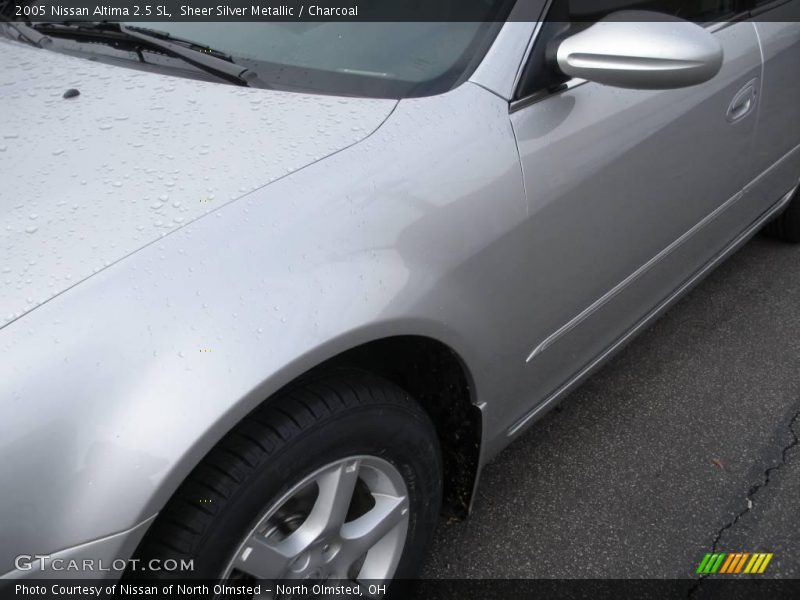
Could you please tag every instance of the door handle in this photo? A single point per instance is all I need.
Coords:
(743, 102)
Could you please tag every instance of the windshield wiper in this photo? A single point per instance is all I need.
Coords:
(204, 58)
(26, 32)
(200, 56)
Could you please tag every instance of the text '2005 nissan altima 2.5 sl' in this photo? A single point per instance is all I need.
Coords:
(273, 294)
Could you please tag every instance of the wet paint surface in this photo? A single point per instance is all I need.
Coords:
(89, 179)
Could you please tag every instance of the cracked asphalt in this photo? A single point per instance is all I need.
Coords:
(686, 443)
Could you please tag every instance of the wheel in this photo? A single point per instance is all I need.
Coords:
(786, 227)
(339, 477)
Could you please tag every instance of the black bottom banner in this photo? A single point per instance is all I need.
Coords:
(428, 589)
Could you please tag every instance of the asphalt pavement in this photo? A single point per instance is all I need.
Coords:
(686, 443)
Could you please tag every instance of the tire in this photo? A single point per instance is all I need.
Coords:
(348, 419)
(786, 227)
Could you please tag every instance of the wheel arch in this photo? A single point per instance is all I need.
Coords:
(430, 371)
(438, 379)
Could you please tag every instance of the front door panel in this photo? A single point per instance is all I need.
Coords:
(630, 192)
(776, 152)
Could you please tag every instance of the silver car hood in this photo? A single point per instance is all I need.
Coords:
(91, 179)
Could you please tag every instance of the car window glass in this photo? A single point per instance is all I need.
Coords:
(691, 10)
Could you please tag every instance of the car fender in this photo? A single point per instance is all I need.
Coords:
(116, 388)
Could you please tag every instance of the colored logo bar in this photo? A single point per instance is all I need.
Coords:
(734, 563)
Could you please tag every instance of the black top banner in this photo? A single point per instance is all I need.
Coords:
(270, 10)
(390, 10)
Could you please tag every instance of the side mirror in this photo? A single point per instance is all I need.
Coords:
(641, 50)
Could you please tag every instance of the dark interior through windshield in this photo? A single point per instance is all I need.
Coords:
(348, 58)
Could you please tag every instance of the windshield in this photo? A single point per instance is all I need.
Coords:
(383, 60)
(348, 58)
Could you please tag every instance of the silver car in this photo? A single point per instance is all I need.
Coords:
(273, 293)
